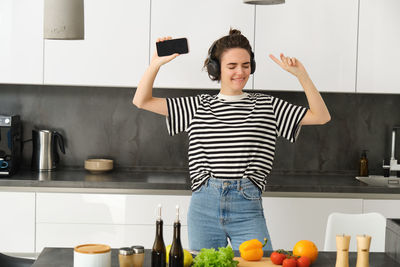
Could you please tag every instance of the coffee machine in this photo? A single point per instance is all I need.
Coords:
(10, 144)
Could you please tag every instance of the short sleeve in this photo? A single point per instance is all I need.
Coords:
(181, 110)
(288, 117)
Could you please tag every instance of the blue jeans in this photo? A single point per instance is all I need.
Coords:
(222, 209)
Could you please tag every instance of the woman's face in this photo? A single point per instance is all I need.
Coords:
(235, 70)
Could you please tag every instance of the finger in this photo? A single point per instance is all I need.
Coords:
(284, 59)
(169, 37)
(290, 62)
(277, 61)
(158, 40)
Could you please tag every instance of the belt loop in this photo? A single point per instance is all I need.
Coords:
(239, 185)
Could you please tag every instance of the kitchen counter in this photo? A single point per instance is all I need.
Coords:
(175, 182)
(64, 257)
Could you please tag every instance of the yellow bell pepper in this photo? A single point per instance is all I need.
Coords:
(251, 250)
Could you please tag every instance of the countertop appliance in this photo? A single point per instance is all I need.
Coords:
(10, 144)
(44, 154)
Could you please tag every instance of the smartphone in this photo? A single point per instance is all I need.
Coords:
(173, 46)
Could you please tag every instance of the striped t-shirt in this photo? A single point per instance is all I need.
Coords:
(232, 138)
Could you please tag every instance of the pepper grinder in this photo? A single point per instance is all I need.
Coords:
(342, 250)
(363, 244)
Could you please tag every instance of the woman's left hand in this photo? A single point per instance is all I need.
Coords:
(290, 64)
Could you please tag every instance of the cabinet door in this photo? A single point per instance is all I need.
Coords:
(21, 41)
(108, 208)
(293, 219)
(389, 208)
(321, 34)
(115, 51)
(378, 47)
(201, 22)
(71, 235)
(17, 223)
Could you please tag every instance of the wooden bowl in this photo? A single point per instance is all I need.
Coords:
(99, 165)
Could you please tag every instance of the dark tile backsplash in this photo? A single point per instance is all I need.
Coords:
(102, 122)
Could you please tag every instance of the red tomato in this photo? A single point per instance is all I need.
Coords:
(303, 261)
(277, 258)
(290, 262)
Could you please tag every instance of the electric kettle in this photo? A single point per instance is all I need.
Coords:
(44, 153)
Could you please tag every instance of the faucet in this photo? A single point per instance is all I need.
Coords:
(393, 165)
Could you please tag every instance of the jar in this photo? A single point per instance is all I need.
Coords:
(125, 257)
(92, 255)
(138, 256)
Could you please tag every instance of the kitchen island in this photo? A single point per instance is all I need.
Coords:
(64, 257)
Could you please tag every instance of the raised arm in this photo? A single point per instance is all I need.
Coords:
(318, 112)
(143, 98)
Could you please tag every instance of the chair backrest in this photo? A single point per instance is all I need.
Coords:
(372, 224)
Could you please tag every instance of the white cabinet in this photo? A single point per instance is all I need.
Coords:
(114, 235)
(17, 223)
(321, 34)
(292, 219)
(201, 22)
(386, 207)
(67, 219)
(21, 41)
(378, 47)
(115, 51)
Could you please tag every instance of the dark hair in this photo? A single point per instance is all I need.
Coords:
(235, 39)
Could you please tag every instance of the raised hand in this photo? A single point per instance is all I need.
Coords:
(290, 64)
(159, 61)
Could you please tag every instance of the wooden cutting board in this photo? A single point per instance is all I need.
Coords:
(264, 262)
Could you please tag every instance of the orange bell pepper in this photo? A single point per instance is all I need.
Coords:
(251, 250)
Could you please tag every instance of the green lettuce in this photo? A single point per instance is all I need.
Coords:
(213, 258)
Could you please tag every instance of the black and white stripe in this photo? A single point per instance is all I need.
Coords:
(232, 139)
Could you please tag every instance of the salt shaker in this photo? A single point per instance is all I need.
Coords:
(125, 257)
(138, 256)
(342, 250)
(363, 244)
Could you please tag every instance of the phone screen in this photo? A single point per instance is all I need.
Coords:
(173, 46)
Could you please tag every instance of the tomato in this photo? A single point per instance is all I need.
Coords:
(277, 258)
(289, 262)
(303, 261)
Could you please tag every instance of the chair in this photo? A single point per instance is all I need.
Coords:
(372, 224)
(15, 261)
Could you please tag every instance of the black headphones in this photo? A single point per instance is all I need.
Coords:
(214, 68)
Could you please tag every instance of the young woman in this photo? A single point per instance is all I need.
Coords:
(232, 139)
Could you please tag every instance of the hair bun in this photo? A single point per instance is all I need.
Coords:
(234, 32)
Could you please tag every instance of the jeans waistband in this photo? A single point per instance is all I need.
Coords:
(238, 183)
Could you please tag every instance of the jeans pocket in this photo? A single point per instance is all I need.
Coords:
(251, 192)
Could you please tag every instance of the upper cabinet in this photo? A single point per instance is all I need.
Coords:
(21, 41)
(378, 48)
(321, 34)
(201, 22)
(115, 51)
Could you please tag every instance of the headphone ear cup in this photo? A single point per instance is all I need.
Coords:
(252, 66)
(213, 68)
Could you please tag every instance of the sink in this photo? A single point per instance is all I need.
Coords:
(378, 180)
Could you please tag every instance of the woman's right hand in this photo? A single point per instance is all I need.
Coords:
(159, 61)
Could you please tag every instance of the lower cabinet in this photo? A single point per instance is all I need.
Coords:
(293, 219)
(114, 235)
(69, 219)
(390, 208)
(17, 222)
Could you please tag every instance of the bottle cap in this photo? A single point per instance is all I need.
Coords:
(137, 249)
(125, 251)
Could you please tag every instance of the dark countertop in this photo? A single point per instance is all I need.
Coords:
(64, 257)
(177, 182)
